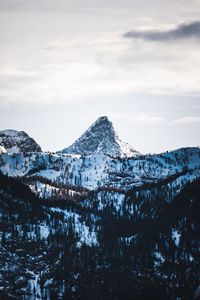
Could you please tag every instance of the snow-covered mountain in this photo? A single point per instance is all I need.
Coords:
(101, 138)
(97, 159)
(71, 221)
(13, 141)
(95, 170)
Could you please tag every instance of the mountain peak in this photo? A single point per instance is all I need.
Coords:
(13, 141)
(103, 119)
(101, 138)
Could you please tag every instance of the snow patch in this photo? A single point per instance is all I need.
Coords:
(176, 237)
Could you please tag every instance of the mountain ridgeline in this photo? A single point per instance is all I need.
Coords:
(98, 220)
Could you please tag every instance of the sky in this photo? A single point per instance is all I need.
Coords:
(63, 64)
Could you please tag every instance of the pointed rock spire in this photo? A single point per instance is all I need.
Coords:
(101, 138)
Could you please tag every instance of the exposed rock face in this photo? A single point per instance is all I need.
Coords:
(101, 138)
(14, 141)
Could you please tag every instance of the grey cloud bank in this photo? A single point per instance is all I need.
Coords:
(182, 31)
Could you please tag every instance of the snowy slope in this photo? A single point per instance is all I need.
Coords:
(14, 141)
(101, 138)
(2, 149)
(97, 170)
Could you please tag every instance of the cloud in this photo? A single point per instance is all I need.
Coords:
(65, 59)
(137, 118)
(187, 120)
(182, 31)
(151, 120)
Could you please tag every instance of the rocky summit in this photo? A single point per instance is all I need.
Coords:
(13, 141)
(101, 138)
